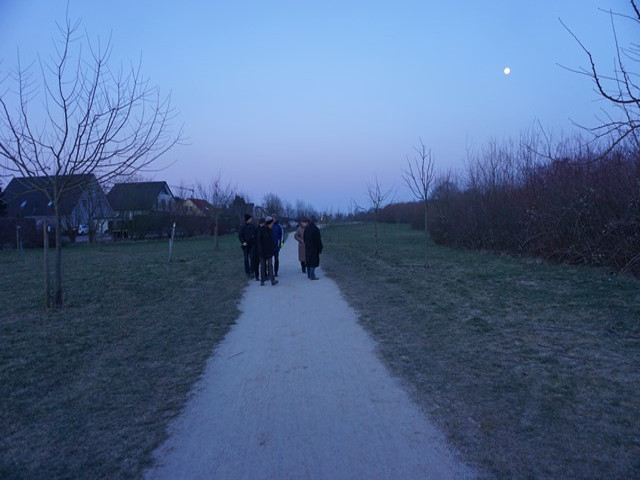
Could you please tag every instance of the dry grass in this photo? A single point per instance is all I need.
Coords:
(88, 390)
(533, 370)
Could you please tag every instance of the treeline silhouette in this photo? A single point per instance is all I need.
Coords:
(580, 205)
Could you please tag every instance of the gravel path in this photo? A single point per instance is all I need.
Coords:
(295, 391)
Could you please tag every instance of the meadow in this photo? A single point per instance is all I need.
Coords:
(531, 369)
(88, 390)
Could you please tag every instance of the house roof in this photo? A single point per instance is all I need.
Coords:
(30, 197)
(202, 205)
(136, 196)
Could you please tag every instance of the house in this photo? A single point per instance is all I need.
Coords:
(198, 207)
(258, 211)
(82, 202)
(130, 200)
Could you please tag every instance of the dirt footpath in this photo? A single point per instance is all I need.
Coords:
(295, 391)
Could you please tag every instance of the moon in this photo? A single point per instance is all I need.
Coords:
(507, 70)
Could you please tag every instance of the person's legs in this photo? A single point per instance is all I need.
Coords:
(304, 267)
(270, 267)
(312, 273)
(263, 270)
(276, 263)
(247, 261)
(255, 266)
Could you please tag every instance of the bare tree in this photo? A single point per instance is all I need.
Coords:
(93, 120)
(183, 191)
(619, 87)
(304, 209)
(289, 210)
(378, 198)
(239, 207)
(273, 204)
(419, 177)
(220, 195)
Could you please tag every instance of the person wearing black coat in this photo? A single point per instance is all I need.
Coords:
(312, 248)
(266, 249)
(246, 235)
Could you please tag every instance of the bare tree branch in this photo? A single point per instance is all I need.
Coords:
(90, 120)
(378, 198)
(419, 177)
(220, 195)
(618, 88)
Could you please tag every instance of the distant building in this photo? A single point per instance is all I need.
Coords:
(129, 200)
(199, 207)
(258, 211)
(83, 201)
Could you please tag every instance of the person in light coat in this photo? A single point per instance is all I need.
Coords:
(299, 237)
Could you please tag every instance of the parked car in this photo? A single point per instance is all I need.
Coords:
(83, 229)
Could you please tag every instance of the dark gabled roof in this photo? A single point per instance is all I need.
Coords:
(137, 196)
(30, 197)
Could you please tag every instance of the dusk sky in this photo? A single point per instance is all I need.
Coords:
(312, 100)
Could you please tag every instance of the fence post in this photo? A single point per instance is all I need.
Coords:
(19, 245)
(173, 234)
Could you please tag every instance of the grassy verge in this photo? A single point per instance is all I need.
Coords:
(531, 369)
(88, 390)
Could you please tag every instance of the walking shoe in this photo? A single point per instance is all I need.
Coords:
(274, 282)
(262, 284)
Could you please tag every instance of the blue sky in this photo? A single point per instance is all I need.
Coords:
(312, 100)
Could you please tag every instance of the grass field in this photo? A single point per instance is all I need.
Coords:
(87, 391)
(532, 370)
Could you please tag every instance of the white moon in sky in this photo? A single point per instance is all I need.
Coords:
(507, 70)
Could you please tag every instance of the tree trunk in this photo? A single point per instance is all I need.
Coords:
(426, 236)
(375, 226)
(215, 233)
(47, 286)
(58, 283)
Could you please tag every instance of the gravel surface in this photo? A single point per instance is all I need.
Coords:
(296, 391)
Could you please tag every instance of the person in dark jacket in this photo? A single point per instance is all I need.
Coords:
(266, 248)
(246, 235)
(278, 240)
(312, 248)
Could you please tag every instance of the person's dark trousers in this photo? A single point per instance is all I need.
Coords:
(304, 267)
(266, 268)
(311, 273)
(247, 260)
(255, 266)
(276, 262)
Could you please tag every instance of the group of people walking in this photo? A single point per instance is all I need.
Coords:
(261, 247)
